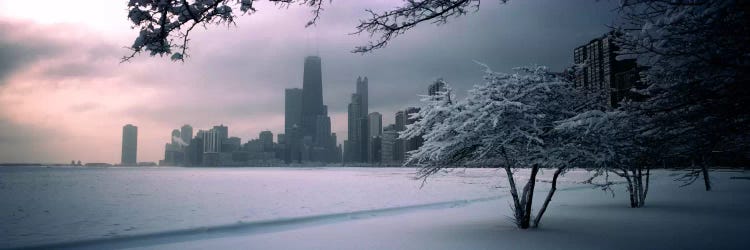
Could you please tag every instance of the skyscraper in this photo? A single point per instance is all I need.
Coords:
(363, 93)
(375, 128)
(307, 127)
(400, 120)
(399, 145)
(363, 139)
(352, 147)
(129, 145)
(312, 95)
(292, 108)
(388, 145)
(356, 148)
(186, 132)
(376, 124)
(323, 133)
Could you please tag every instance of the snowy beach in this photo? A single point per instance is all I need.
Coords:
(351, 208)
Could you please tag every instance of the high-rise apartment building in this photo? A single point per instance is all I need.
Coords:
(598, 69)
(437, 86)
(129, 145)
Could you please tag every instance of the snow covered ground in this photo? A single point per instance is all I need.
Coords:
(350, 208)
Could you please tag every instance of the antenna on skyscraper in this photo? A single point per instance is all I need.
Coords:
(317, 45)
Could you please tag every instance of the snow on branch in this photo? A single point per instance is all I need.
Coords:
(165, 25)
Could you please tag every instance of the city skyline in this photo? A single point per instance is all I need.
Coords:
(93, 92)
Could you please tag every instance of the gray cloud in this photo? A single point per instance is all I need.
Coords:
(239, 73)
(18, 52)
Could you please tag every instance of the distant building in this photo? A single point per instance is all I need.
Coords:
(400, 124)
(231, 144)
(194, 151)
(375, 127)
(312, 95)
(292, 108)
(174, 152)
(415, 142)
(374, 150)
(223, 133)
(376, 124)
(598, 68)
(280, 138)
(362, 91)
(129, 145)
(98, 164)
(358, 141)
(176, 138)
(399, 149)
(352, 148)
(388, 145)
(307, 126)
(323, 133)
(186, 132)
(266, 141)
(436, 87)
(363, 139)
(211, 147)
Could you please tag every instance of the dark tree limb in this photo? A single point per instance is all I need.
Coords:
(549, 197)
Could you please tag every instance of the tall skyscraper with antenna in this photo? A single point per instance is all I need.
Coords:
(312, 96)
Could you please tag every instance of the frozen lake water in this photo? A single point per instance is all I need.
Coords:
(53, 205)
(44, 205)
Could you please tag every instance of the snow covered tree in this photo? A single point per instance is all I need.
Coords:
(611, 142)
(697, 81)
(507, 122)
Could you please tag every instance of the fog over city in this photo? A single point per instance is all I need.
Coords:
(64, 95)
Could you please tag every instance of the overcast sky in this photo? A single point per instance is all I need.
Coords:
(65, 96)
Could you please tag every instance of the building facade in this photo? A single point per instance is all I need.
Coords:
(436, 87)
(186, 133)
(129, 156)
(598, 68)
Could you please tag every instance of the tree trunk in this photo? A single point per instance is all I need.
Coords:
(529, 197)
(514, 192)
(641, 195)
(706, 178)
(631, 188)
(645, 189)
(549, 197)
